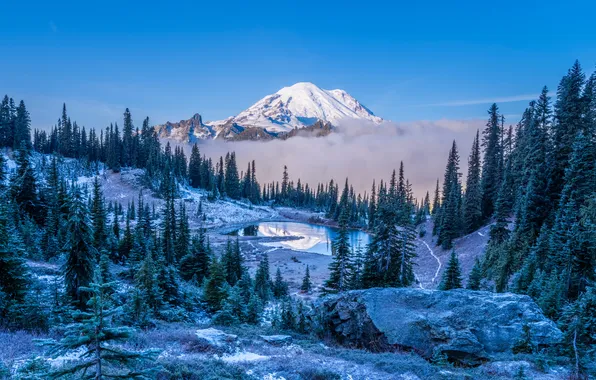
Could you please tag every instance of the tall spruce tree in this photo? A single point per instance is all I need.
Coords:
(450, 216)
(452, 275)
(472, 209)
(341, 266)
(491, 165)
(81, 254)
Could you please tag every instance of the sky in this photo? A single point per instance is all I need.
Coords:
(406, 62)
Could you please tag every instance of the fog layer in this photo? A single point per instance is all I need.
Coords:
(360, 151)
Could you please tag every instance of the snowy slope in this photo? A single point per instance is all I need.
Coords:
(298, 106)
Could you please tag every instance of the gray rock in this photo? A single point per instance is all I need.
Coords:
(214, 340)
(467, 326)
(277, 340)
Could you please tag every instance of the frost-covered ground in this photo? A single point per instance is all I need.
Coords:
(431, 259)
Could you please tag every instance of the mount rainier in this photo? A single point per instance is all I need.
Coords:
(303, 106)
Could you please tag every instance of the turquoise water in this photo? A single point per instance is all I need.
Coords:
(315, 238)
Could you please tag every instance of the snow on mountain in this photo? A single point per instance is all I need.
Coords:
(301, 105)
(295, 107)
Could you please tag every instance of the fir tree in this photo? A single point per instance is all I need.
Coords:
(13, 269)
(280, 287)
(263, 279)
(98, 216)
(452, 276)
(491, 166)
(195, 265)
(146, 284)
(22, 128)
(95, 332)
(340, 267)
(214, 289)
(449, 220)
(306, 282)
(80, 252)
(472, 208)
(24, 185)
(475, 276)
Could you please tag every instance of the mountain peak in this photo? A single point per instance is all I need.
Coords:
(298, 106)
(301, 105)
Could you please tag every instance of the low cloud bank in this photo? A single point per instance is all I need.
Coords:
(360, 151)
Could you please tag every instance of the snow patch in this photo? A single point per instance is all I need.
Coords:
(242, 356)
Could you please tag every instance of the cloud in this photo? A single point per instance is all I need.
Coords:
(505, 99)
(360, 151)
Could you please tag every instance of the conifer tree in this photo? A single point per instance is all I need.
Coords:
(449, 220)
(195, 265)
(306, 282)
(182, 243)
(475, 276)
(372, 207)
(95, 333)
(491, 165)
(472, 208)
(452, 276)
(263, 282)
(194, 167)
(146, 284)
(98, 216)
(23, 184)
(214, 290)
(280, 287)
(80, 252)
(13, 269)
(340, 267)
(22, 128)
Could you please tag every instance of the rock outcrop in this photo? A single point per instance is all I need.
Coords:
(466, 326)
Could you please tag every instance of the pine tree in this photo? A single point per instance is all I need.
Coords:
(263, 280)
(306, 286)
(24, 185)
(98, 216)
(14, 278)
(232, 181)
(280, 287)
(372, 208)
(95, 332)
(80, 252)
(182, 243)
(491, 166)
(449, 220)
(195, 265)
(472, 208)
(340, 267)
(194, 167)
(22, 128)
(254, 309)
(475, 276)
(452, 276)
(146, 284)
(214, 289)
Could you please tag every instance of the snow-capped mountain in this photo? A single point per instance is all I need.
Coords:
(295, 107)
(301, 105)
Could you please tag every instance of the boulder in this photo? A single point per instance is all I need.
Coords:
(214, 340)
(277, 340)
(466, 326)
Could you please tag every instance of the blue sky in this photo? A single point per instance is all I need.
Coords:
(405, 61)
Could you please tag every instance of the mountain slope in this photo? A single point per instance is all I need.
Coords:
(275, 116)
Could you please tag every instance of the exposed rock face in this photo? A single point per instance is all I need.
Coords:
(190, 130)
(466, 326)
